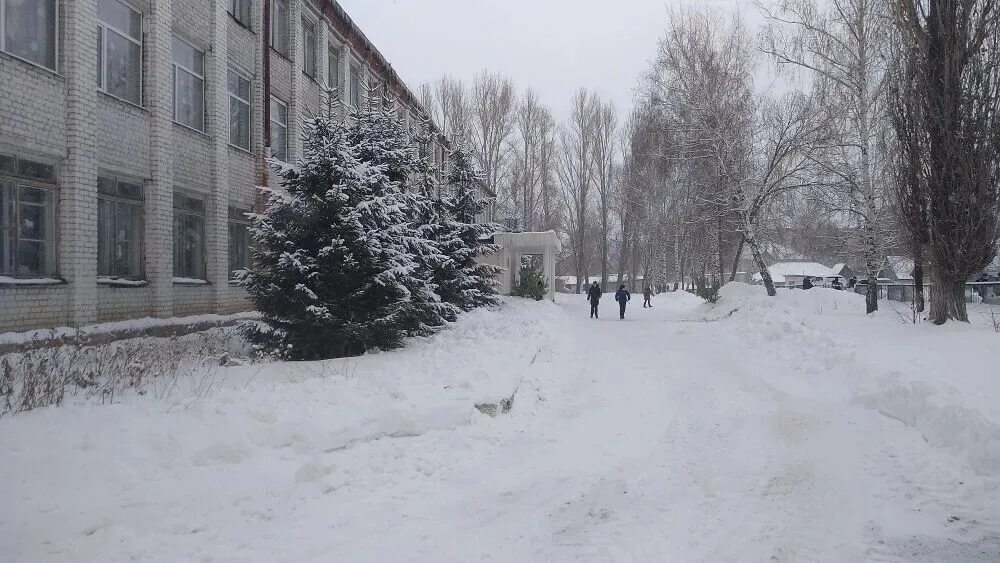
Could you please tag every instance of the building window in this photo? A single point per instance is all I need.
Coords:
(119, 231)
(239, 110)
(28, 30)
(239, 241)
(355, 86)
(189, 237)
(279, 26)
(189, 85)
(27, 217)
(240, 9)
(119, 50)
(333, 68)
(309, 48)
(279, 129)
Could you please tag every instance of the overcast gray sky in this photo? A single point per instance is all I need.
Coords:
(552, 46)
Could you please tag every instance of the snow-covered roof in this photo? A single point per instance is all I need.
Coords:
(781, 270)
(838, 269)
(534, 241)
(994, 266)
(901, 266)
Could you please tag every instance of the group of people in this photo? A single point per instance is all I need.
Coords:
(622, 296)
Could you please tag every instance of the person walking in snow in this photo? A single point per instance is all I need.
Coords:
(807, 283)
(594, 296)
(622, 296)
(647, 294)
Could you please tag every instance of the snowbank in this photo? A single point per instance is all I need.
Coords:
(818, 300)
(251, 427)
(941, 381)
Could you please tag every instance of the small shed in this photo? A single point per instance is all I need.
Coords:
(897, 277)
(843, 271)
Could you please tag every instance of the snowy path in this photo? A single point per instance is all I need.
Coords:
(661, 437)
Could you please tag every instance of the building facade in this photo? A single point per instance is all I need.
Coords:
(133, 134)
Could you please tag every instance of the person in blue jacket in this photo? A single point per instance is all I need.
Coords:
(622, 296)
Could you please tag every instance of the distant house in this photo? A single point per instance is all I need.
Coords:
(994, 268)
(843, 271)
(897, 269)
(896, 276)
(791, 274)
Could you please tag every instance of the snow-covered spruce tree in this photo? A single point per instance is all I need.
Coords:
(466, 282)
(331, 275)
(431, 219)
(381, 139)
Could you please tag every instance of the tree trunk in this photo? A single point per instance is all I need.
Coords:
(947, 298)
(682, 271)
(871, 208)
(750, 236)
(678, 267)
(634, 271)
(871, 267)
(736, 257)
(623, 256)
(721, 273)
(604, 244)
(918, 276)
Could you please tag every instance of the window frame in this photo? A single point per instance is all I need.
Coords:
(238, 219)
(118, 199)
(247, 5)
(333, 78)
(282, 125)
(102, 69)
(177, 66)
(310, 62)
(17, 181)
(247, 102)
(287, 28)
(175, 210)
(55, 42)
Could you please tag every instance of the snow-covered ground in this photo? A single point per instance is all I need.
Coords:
(789, 429)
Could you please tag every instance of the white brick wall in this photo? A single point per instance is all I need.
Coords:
(121, 303)
(61, 117)
(123, 137)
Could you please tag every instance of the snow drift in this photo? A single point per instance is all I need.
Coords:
(938, 380)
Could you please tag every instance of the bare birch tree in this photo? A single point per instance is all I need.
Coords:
(576, 172)
(530, 118)
(492, 109)
(841, 44)
(605, 127)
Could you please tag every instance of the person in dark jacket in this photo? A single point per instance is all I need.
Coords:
(622, 296)
(594, 296)
(807, 283)
(852, 282)
(647, 294)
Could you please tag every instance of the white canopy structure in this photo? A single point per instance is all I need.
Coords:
(517, 245)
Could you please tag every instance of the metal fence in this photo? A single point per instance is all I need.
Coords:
(975, 292)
